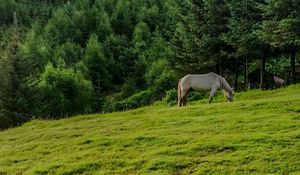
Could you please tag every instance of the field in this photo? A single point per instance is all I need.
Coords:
(259, 133)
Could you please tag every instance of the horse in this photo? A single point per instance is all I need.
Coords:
(279, 82)
(210, 81)
(271, 81)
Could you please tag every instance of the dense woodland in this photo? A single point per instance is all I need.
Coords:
(60, 58)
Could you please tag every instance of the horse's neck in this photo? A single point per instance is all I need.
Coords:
(224, 85)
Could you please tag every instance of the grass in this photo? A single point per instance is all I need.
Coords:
(259, 133)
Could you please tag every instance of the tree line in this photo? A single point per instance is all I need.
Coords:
(63, 58)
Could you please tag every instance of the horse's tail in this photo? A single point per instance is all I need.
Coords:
(179, 93)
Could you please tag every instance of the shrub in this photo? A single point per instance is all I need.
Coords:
(137, 100)
(171, 97)
(5, 121)
(197, 95)
(110, 101)
(65, 91)
(160, 77)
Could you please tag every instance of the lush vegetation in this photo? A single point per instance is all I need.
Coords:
(62, 58)
(256, 134)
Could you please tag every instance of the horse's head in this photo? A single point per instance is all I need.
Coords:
(230, 95)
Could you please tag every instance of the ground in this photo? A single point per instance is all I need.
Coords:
(259, 133)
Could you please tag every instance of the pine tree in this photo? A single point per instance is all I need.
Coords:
(198, 37)
(244, 20)
(18, 88)
(281, 28)
(96, 66)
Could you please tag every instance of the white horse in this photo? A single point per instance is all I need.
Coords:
(210, 81)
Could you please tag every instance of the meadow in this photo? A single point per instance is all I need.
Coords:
(259, 133)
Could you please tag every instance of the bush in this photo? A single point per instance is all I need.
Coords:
(197, 95)
(137, 100)
(5, 121)
(171, 96)
(128, 88)
(114, 102)
(110, 101)
(65, 91)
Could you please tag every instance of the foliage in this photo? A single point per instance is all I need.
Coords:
(36, 49)
(198, 95)
(65, 92)
(126, 47)
(113, 103)
(69, 52)
(160, 77)
(281, 20)
(136, 100)
(171, 97)
(18, 90)
(95, 61)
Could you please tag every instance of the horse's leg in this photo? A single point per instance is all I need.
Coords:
(184, 102)
(183, 96)
(211, 95)
(179, 98)
(179, 93)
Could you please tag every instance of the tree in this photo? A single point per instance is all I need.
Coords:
(65, 92)
(18, 91)
(199, 33)
(36, 49)
(120, 57)
(96, 66)
(60, 27)
(70, 52)
(160, 75)
(280, 27)
(124, 17)
(102, 21)
(243, 23)
(6, 12)
(187, 56)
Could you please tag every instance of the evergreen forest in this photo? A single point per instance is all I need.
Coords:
(60, 58)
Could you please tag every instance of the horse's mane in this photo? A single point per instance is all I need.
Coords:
(224, 84)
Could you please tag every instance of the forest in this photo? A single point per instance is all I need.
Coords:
(60, 58)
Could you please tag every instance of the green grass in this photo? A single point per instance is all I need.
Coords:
(259, 133)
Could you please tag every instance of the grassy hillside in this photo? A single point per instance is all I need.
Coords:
(259, 133)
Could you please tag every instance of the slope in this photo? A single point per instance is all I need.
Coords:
(256, 134)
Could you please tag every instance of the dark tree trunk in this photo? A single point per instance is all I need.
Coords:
(236, 80)
(293, 58)
(262, 71)
(15, 19)
(218, 68)
(246, 73)
(237, 73)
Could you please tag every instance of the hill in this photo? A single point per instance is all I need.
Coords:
(256, 134)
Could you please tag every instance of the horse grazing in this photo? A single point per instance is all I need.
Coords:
(279, 82)
(210, 81)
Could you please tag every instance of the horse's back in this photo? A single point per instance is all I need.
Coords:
(201, 81)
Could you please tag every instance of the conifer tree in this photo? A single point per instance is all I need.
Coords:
(18, 90)
(281, 28)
